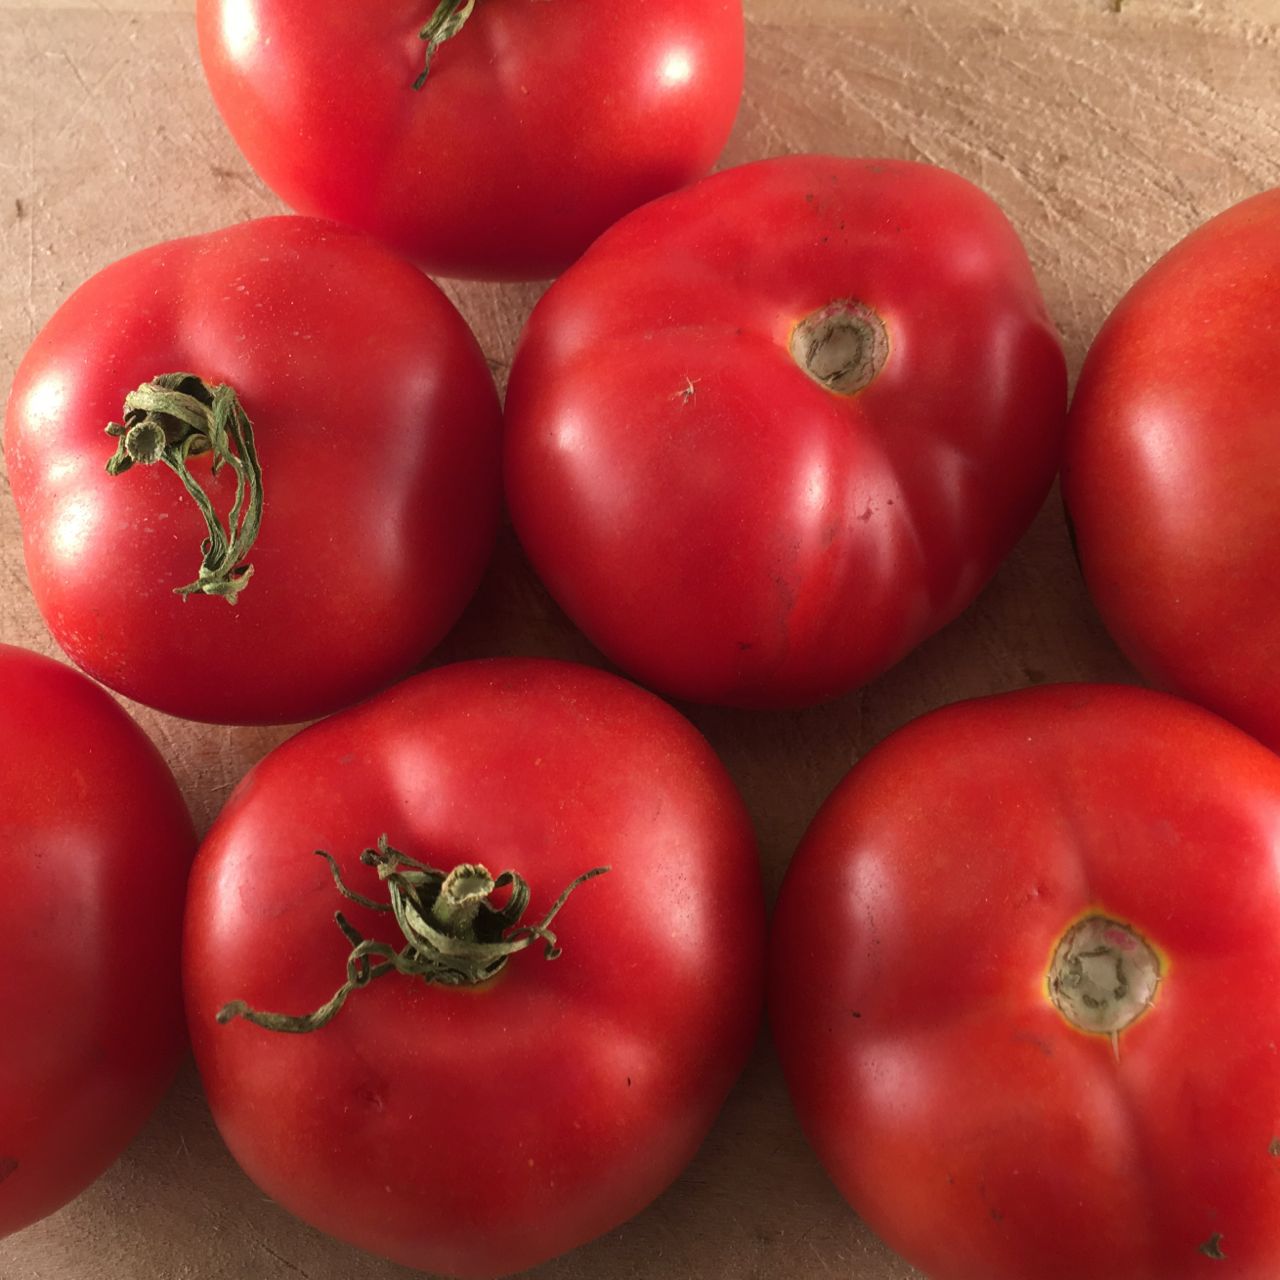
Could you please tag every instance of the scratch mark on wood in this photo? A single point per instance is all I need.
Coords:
(283, 1261)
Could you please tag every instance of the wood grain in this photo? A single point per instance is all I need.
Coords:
(1107, 132)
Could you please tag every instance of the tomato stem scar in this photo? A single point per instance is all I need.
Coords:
(843, 346)
(1103, 976)
(453, 934)
(178, 416)
(445, 23)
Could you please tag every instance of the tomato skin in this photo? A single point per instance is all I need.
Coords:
(970, 1125)
(475, 1131)
(721, 525)
(1172, 470)
(378, 428)
(95, 842)
(538, 127)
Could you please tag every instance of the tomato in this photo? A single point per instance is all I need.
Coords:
(479, 1129)
(537, 127)
(1025, 984)
(771, 432)
(1172, 471)
(95, 843)
(375, 424)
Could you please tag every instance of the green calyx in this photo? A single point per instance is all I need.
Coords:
(453, 933)
(178, 416)
(445, 23)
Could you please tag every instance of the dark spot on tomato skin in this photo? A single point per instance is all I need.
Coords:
(854, 1013)
(1212, 1247)
(371, 1097)
(1036, 1043)
(744, 645)
(996, 1215)
(1274, 1148)
(8, 1165)
(628, 1082)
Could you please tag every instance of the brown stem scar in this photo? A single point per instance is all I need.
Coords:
(843, 346)
(1103, 976)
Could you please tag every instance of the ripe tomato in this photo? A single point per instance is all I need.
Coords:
(376, 424)
(538, 126)
(94, 847)
(479, 1129)
(1172, 471)
(967, 925)
(771, 432)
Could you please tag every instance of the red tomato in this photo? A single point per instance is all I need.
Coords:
(476, 1130)
(773, 431)
(1097, 849)
(377, 427)
(1172, 471)
(94, 847)
(538, 126)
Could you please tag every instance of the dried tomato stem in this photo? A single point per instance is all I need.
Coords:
(453, 932)
(449, 18)
(176, 417)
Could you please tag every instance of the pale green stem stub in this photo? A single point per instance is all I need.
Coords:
(174, 418)
(453, 934)
(445, 23)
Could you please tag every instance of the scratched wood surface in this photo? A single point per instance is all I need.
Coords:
(1106, 130)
